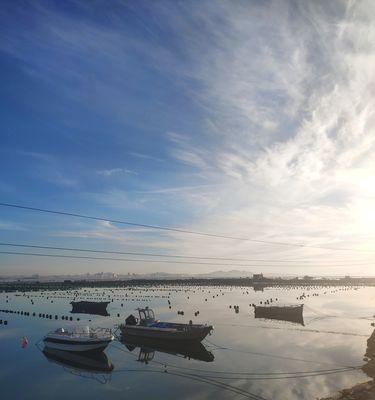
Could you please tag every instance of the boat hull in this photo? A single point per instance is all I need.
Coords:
(90, 307)
(287, 313)
(188, 335)
(66, 345)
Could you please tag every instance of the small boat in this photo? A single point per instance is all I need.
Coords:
(147, 327)
(292, 313)
(90, 307)
(82, 340)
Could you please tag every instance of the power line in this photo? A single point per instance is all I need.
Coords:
(145, 261)
(170, 229)
(76, 249)
(109, 258)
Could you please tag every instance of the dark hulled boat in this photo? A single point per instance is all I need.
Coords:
(292, 313)
(147, 327)
(90, 307)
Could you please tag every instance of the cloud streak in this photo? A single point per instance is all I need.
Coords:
(293, 130)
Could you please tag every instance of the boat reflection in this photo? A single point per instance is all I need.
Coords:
(259, 287)
(148, 347)
(292, 314)
(91, 365)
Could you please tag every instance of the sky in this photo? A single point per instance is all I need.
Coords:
(252, 119)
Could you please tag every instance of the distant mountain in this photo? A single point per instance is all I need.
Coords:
(234, 273)
(215, 274)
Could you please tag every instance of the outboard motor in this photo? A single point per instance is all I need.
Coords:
(131, 320)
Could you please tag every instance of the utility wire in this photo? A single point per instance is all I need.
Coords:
(141, 260)
(170, 229)
(76, 249)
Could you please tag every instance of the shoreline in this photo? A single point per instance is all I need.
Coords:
(360, 391)
(67, 284)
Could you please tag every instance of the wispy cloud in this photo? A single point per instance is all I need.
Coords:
(48, 168)
(132, 237)
(116, 171)
(293, 112)
(12, 226)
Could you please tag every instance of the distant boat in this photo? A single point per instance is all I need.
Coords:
(90, 307)
(292, 313)
(84, 340)
(192, 350)
(147, 327)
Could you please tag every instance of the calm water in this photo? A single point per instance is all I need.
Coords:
(243, 358)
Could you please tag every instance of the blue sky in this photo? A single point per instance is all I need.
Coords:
(245, 118)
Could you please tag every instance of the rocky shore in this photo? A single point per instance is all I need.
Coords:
(362, 391)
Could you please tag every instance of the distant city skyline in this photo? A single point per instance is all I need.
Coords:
(244, 119)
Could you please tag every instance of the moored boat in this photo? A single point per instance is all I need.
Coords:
(90, 307)
(86, 339)
(288, 313)
(147, 327)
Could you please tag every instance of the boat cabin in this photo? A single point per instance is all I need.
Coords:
(146, 316)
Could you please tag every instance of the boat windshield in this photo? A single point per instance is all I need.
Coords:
(146, 314)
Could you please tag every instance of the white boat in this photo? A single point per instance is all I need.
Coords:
(86, 339)
(147, 327)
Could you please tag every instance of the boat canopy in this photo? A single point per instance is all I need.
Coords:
(146, 315)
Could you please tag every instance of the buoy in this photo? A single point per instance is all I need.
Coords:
(24, 342)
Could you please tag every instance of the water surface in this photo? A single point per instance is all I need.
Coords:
(243, 358)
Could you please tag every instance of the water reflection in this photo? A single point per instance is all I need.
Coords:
(148, 347)
(366, 390)
(245, 358)
(91, 365)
